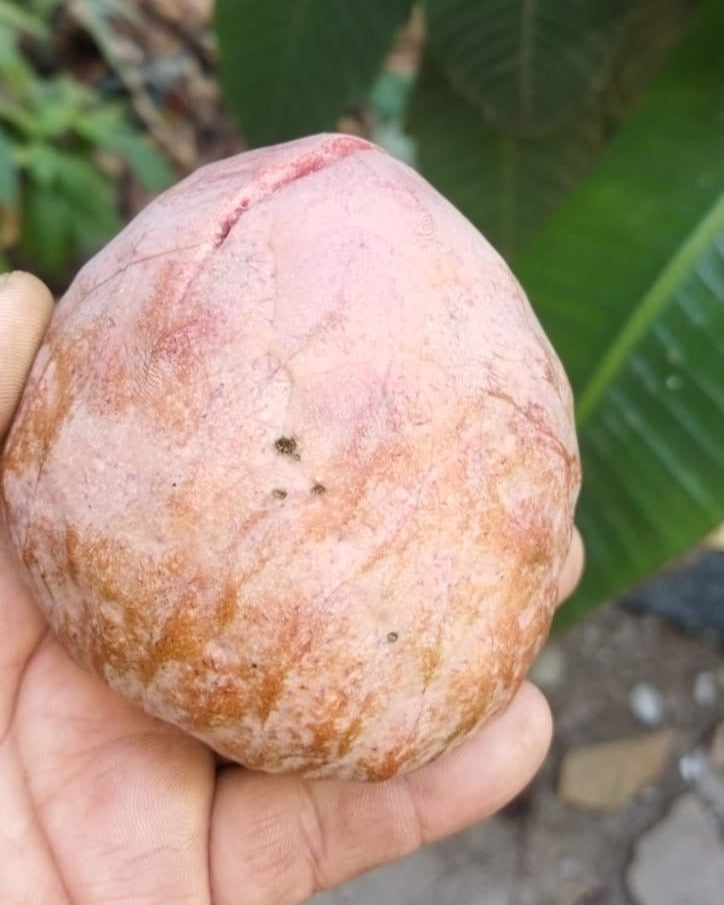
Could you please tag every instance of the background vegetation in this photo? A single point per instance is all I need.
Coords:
(62, 144)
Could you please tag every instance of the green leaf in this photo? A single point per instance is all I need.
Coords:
(505, 183)
(526, 64)
(20, 20)
(43, 163)
(652, 426)
(628, 279)
(92, 196)
(652, 28)
(148, 164)
(8, 171)
(69, 207)
(58, 104)
(47, 237)
(107, 128)
(291, 67)
(599, 255)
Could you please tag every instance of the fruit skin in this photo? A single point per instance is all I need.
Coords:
(295, 468)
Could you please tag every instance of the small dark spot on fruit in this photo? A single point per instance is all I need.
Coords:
(392, 637)
(279, 494)
(173, 483)
(287, 446)
(319, 489)
(254, 665)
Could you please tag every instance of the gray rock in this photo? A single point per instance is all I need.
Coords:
(646, 704)
(681, 860)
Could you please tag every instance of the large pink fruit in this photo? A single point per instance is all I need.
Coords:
(295, 468)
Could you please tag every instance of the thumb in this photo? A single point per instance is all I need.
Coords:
(25, 309)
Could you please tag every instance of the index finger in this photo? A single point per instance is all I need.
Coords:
(26, 306)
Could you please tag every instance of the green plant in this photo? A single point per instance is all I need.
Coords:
(59, 146)
(586, 139)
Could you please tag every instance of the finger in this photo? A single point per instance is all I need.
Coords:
(572, 567)
(25, 309)
(280, 839)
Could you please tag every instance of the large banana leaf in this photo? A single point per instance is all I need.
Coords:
(628, 279)
(291, 67)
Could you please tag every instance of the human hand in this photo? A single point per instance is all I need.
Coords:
(102, 803)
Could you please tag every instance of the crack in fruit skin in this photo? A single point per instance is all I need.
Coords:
(301, 464)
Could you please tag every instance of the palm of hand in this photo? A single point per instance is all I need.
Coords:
(103, 804)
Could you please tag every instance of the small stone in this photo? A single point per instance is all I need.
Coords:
(549, 669)
(681, 860)
(705, 689)
(692, 766)
(646, 704)
(605, 776)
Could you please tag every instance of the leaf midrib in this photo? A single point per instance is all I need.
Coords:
(646, 312)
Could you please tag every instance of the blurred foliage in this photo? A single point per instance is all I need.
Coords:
(291, 66)
(585, 138)
(62, 146)
(628, 278)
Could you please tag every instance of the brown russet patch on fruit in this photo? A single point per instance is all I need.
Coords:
(269, 690)
(430, 658)
(293, 631)
(209, 703)
(385, 764)
(226, 607)
(333, 736)
(181, 640)
(45, 404)
(347, 737)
